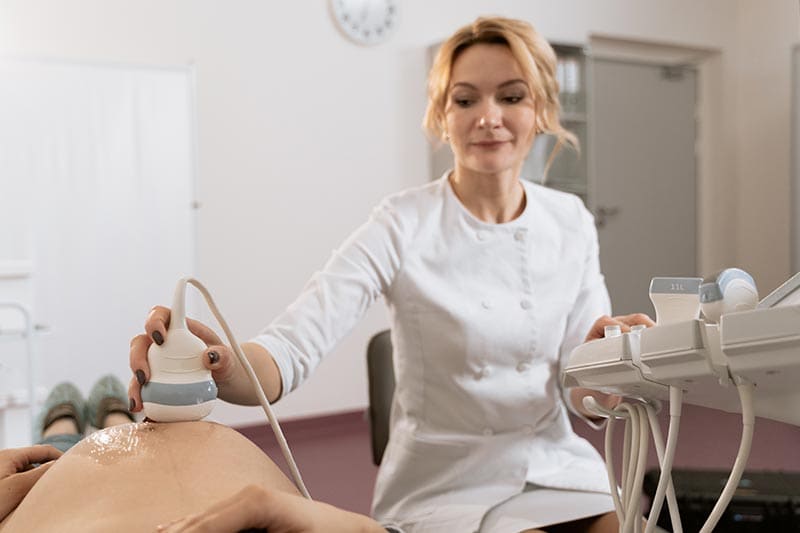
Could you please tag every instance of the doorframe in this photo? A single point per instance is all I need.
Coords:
(794, 147)
(715, 197)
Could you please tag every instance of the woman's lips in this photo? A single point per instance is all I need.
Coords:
(489, 144)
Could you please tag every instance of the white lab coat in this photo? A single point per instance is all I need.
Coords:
(483, 316)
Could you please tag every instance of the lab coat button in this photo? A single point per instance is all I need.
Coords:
(525, 304)
(483, 372)
(519, 235)
(481, 235)
(486, 304)
(522, 367)
(527, 430)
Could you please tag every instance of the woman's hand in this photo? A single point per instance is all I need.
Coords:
(624, 322)
(219, 358)
(156, 331)
(607, 401)
(597, 331)
(255, 507)
(18, 475)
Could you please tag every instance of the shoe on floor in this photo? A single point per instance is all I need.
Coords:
(108, 395)
(64, 400)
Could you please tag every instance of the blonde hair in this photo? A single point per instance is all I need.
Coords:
(536, 58)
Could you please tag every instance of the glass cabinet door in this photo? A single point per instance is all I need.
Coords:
(568, 170)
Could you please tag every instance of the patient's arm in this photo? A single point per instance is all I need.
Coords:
(275, 511)
(136, 476)
(18, 475)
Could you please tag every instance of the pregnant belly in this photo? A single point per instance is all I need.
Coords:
(136, 476)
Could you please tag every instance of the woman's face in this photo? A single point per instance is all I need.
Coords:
(490, 114)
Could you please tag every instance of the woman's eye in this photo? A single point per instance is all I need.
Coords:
(463, 102)
(512, 98)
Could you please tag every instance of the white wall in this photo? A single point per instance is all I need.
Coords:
(301, 132)
(767, 32)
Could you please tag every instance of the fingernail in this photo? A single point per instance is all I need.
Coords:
(213, 357)
(133, 404)
(140, 377)
(158, 338)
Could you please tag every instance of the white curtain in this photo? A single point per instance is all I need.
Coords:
(96, 193)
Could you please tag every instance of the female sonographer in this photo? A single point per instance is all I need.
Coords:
(491, 281)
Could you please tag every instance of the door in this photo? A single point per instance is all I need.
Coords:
(644, 194)
(96, 215)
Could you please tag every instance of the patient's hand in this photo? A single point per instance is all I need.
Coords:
(278, 512)
(17, 474)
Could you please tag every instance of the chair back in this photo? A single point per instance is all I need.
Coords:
(380, 374)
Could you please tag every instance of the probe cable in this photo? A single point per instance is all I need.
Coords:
(636, 461)
(262, 398)
(627, 499)
(672, 500)
(745, 389)
(665, 479)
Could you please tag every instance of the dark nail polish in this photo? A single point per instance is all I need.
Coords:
(140, 377)
(158, 338)
(213, 357)
(133, 404)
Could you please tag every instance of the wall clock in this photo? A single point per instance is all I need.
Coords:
(366, 22)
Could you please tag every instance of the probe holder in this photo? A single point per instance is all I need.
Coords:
(611, 365)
